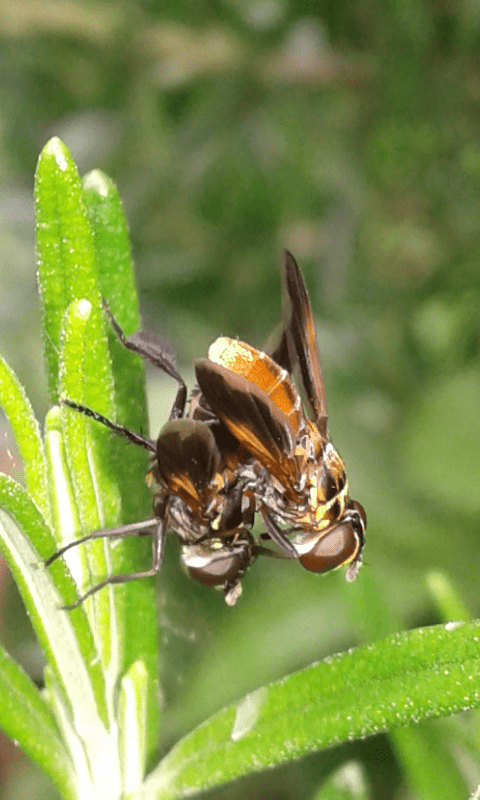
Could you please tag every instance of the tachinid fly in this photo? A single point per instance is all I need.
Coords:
(295, 473)
(199, 494)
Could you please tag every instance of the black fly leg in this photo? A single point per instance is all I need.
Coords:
(259, 550)
(133, 529)
(121, 430)
(158, 542)
(158, 351)
(278, 536)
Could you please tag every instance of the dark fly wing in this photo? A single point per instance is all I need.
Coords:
(300, 326)
(282, 355)
(187, 449)
(156, 345)
(147, 344)
(247, 411)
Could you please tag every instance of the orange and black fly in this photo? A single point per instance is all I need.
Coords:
(243, 446)
(297, 476)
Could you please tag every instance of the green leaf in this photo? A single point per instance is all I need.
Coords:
(76, 689)
(129, 464)
(117, 285)
(87, 449)
(80, 252)
(65, 514)
(429, 672)
(26, 718)
(19, 412)
(94, 749)
(447, 599)
(64, 508)
(346, 783)
(115, 273)
(420, 750)
(82, 327)
(65, 250)
(132, 724)
(65, 638)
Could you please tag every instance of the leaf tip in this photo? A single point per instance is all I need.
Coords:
(248, 712)
(78, 310)
(56, 150)
(53, 419)
(98, 182)
(84, 308)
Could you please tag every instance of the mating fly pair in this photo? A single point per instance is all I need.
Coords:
(245, 446)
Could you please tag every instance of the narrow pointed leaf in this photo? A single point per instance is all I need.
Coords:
(65, 251)
(81, 329)
(65, 518)
(65, 638)
(346, 783)
(83, 250)
(117, 285)
(87, 446)
(85, 713)
(19, 412)
(129, 463)
(426, 673)
(27, 719)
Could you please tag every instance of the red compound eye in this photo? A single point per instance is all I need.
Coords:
(337, 547)
(216, 564)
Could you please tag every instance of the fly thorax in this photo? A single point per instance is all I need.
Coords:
(184, 521)
(325, 487)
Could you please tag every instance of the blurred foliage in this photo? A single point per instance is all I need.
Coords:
(349, 133)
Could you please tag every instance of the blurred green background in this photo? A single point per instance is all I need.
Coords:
(348, 132)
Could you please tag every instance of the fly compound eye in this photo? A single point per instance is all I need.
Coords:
(354, 506)
(333, 549)
(214, 565)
